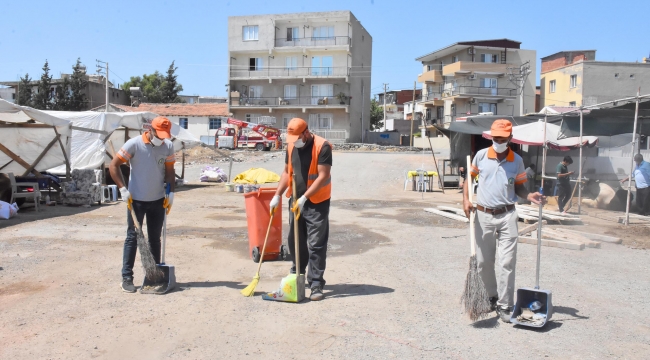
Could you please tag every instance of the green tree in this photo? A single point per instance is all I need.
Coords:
(78, 83)
(62, 96)
(25, 91)
(376, 115)
(171, 87)
(43, 99)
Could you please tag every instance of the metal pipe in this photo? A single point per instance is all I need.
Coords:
(580, 169)
(634, 141)
(541, 206)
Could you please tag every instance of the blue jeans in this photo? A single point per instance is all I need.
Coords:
(155, 213)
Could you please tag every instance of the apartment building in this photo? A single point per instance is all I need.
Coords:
(473, 77)
(575, 78)
(315, 66)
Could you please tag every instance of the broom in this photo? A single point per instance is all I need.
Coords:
(475, 297)
(250, 289)
(151, 271)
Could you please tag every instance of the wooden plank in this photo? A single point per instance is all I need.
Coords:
(90, 130)
(592, 236)
(552, 243)
(571, 237)
(17, 159)
(447, 214)
(457, 211)
(544, 211)
(529, 228)
(7, 164)
(549, 216)
(40, 157)
(65, 155)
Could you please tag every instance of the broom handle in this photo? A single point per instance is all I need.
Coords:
(164, 239)
(268, 230)
(135, 219)
(295, 226)
(472, 214)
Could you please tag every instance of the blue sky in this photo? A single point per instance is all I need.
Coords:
(138, 37)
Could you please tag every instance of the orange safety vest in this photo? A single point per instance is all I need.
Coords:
(324, 192)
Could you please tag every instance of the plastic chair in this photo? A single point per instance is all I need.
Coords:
(406, 179)
(422, 180)
(36, 194)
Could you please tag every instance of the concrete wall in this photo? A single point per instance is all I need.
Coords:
(563, 94)
(197, 125)
(564, 58)
(8, 94)
(440, 145)
(382, 138)
(360, 83)
(601, 85)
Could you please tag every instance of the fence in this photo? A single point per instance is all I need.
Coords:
(334, 136)
(280, 101)
(304, 71)
(313, 41)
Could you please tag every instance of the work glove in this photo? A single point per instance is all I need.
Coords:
(167, 203)
(274, 203)
(126, 197)
(297, 207)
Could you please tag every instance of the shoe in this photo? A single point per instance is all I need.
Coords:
(504, 313)
(127, 285)
(493, 304)
(316, 293)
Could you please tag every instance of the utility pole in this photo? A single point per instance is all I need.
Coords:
(384, 123)
(519, 79)
(102, 66)
(412, 114)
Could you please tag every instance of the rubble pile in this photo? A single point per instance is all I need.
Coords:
(375, 147)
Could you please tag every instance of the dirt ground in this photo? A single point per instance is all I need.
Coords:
(394, 278)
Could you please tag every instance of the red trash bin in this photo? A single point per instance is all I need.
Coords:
(258, 217)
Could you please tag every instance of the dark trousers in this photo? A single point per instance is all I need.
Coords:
(314, 229)
(563, 195)
(155, 213)
(643, 201)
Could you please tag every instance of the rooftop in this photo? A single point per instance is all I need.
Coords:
(207, 109)
(462, 45)
(567, 51)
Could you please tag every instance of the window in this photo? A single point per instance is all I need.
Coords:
(255, 64)
(292, 33)
(320, 121)
(286, 118)
(454, 59)
(487, 107)
(551, 86)
(182, 122)
(290, 91)
(214, 123)
(291, 62)
(318, 92)
(253, 118)
(255, 91)
(572, 103)
(489, 58)
(488, 83)
(321, 65)
(250, 32)
(323, 32)
(574, 81)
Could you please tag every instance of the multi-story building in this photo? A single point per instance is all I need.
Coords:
(575, 78)
(473, 77)
(315, 66)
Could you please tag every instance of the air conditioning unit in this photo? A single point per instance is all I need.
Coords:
(472, 77)
(470, 51)
(472, 101)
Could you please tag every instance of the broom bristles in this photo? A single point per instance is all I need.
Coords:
(151, 271)
(249, 290)
(475, 298)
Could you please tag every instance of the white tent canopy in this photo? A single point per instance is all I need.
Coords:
(533, 134)
(32, 140)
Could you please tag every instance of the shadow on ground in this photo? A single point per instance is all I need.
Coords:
(28, 213)
(208, 284)
(346, 290)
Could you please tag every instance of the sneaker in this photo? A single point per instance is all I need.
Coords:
(504, 313)
(127, 285)
(493, 304)
(316, 293)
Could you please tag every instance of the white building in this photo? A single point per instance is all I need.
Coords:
(8, 94)
(315, 66)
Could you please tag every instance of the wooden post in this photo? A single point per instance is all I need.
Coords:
(17, 159)
(65, 155)
(40, 157)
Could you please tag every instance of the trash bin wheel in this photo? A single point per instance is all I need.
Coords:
(256, 254)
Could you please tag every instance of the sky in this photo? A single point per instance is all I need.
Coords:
(140, 37)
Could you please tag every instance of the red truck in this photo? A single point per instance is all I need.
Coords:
(258, 136)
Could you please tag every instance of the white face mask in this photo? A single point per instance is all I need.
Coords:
(299, 143)
(499, 148)
(155, 141)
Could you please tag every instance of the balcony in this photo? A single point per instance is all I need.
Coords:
(461, 68)
(290, 73)
(280, 102)
(313, 41)
(433, 98)
(431, 76)
(464, 91)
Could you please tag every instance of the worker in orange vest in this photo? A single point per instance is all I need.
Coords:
(311, 156)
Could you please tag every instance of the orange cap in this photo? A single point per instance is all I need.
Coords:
(501, 128)
(295, 127)
(163, 127)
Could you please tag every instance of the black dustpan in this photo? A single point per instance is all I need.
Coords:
(537, 300)
(169, 280)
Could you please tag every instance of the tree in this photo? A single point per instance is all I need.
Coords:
(376, 115)
(25, 91)
(171, 87)
(78, 83)
(62, 96)
(43, 99)
(155, 87)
